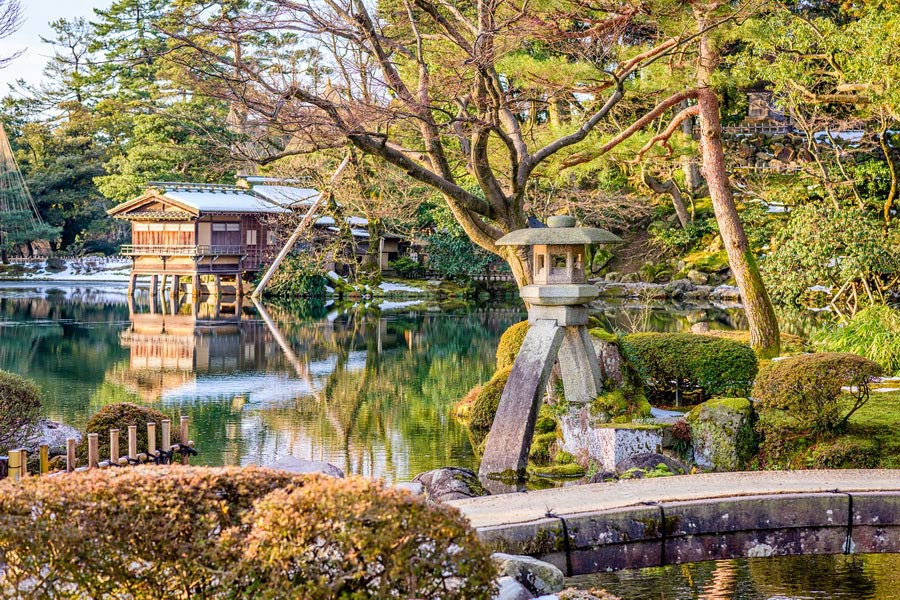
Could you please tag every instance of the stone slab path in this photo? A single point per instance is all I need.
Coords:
(508, 509)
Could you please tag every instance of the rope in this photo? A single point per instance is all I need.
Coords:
(566, 545)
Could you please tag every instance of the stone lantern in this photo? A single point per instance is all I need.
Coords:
(558, 315)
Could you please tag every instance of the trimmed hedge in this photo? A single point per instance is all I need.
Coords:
(670, 364)
(119, 416)
(194, 532)
(20, 408)
(805, 392)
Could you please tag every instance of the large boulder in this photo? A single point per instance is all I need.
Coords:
(294, 464)
(450, 483)
(510, 589)
(639, 465)
(723, 434)
(538, 576)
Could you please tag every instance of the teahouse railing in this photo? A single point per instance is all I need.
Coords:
(15, 465)
(182, 250)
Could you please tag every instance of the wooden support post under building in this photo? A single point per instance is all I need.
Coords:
(217, 290)
(93, 451)
(44, 459)
(70, 455)
(131, 281)
(176, 289)
(154, 285)
(162, 285)
(195, 286)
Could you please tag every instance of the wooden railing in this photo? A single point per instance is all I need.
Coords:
(15, 466)
(182, 250)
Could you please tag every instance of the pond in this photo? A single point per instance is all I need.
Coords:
(843, 577)
(367, 389)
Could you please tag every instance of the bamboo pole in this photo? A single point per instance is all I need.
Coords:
(151, 439)
(45, 459)
(15, 465)
(132, 442)
(114, 446)
(304, 223)
(166, 435)
(184, 439)
(93, 450)
(70, 455)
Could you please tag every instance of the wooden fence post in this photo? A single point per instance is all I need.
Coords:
(15, 465)
(114, 446)
(23, 458)
(185, 457)
(45, 459)
(93, 451)
(70, 455)
(132, 442)
(166, 435)
(151, 440)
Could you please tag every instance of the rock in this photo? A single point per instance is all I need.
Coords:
(786, 154)
(603, 477)
(294, 464)
(537, 576)
(54, 434)
(697, 277)
(612, 363)
(648, 461)
(612, 276)
(679, 287)
(510, 589)
(413, 487)
(727, 293)
(723, 433)
(450, 483)
(701, 327)
(630, 278)
(606, 445)
(573, 594)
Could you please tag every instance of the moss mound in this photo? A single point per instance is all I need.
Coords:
(481, 415)
(120, 416)
(621, 406)
(510, 344)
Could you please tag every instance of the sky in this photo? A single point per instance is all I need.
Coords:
(38, 15)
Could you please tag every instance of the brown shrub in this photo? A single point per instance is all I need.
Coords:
(359, 540)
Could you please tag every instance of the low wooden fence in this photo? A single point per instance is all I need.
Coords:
(16, 464)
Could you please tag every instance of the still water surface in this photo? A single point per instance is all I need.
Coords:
(367, 389)
(853, 577)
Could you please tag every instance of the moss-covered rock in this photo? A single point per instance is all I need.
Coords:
(510, 344)
(620, 406)
(723, 433)
(563, 471)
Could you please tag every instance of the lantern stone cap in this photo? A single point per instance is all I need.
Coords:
(560, 231)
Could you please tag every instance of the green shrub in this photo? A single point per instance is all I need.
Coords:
(804, 392)
(141, 532)
(20, 407)
(297, 277)
(407, 268)
(481, 415)
(510, 344)
(675, 363)
(119, 416)
(873, 332)
(194, 532)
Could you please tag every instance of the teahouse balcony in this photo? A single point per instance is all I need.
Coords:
(182, 250)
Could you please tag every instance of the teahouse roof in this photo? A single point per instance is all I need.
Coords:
(192, 200)
(561, 231)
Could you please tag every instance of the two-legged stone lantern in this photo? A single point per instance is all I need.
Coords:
(558, 315)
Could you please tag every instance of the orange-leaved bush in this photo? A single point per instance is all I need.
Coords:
(359, 540)
(196, 532)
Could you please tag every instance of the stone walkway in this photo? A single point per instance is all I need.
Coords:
(508, 509)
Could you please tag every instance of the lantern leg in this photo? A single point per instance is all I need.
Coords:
(579, 367)
(508, 443)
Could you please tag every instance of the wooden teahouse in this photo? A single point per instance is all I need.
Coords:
(197, 232)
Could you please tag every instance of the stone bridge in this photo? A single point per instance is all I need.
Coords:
(653, 522)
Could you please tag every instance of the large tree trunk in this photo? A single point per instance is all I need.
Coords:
(764, 335)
